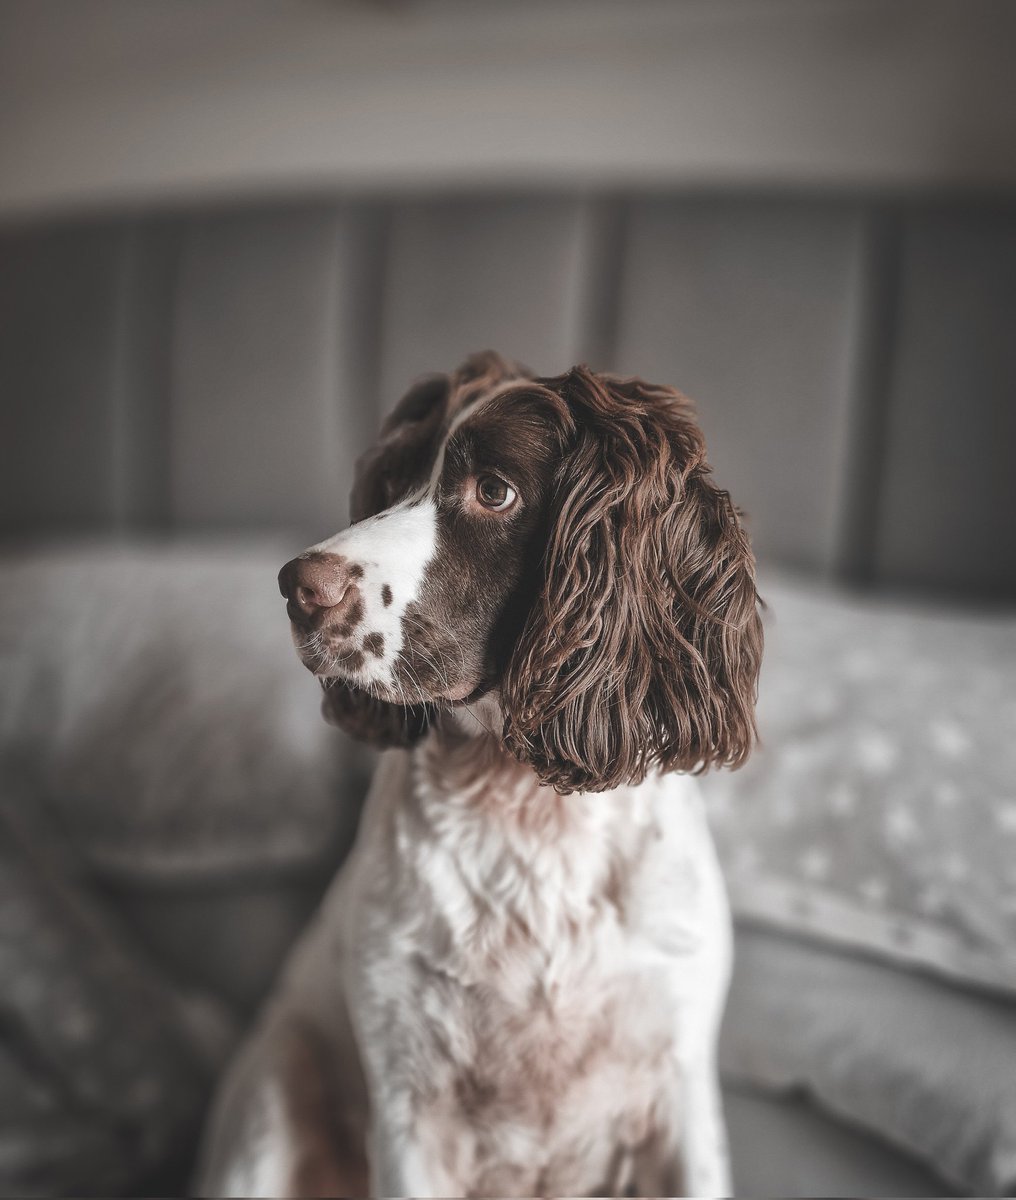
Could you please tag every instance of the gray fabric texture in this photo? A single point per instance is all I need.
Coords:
(783, 1145)
(151, 706)
(880, 809)
(104, 1066)
(926, 1067)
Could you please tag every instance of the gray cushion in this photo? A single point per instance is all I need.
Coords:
(104, 1066)
(928, 1067)
(152, 706)
(880, 809)
(783, 1145)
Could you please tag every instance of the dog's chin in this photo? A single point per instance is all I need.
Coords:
(333, 668)
(334, 676)
(453, 697)
(324, 652)
(342, 663)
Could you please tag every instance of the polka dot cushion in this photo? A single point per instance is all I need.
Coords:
(880, 809)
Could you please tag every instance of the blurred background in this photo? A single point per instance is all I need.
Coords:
(232, 233)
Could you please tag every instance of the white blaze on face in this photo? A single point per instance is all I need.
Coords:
(394, 550)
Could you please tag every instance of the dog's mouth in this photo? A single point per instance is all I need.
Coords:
(342, 672)
(396, 698)
(326, 652)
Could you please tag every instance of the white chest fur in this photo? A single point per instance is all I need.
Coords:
(528, 974)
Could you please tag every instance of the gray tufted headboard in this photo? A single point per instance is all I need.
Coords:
(212, 368)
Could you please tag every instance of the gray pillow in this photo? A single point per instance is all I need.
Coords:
(880, 809)
(152, 706)
(925, 1066)
(104, 1067)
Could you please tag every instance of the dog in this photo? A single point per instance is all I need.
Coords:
(546, 610)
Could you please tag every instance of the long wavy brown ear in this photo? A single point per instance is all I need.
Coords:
(400, 457)
(643, 648)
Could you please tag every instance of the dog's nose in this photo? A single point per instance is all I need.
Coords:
(316, 582)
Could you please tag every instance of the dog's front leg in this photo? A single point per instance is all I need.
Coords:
(400, 1163)
(687, 1154)
(397, 1166)
(706, 975)
(279, 1125)
(705, 1155)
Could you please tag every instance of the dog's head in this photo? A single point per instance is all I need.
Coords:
(558, 542)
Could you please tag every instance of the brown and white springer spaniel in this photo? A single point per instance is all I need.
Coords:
(547, 609)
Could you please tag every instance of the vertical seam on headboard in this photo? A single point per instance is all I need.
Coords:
(603, 233)
(368, 287)
(121, 450)
(147, 274)
(872, 359)
(350, 392)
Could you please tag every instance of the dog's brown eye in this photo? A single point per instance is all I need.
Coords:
(495, 493)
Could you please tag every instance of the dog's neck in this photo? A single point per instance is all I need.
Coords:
(498, 852)
(480, 718)
(463, 765)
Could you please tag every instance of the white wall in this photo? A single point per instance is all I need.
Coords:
(107, 101)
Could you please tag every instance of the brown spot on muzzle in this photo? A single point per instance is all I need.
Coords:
(375, 644)
(386, 595)
(353, 661)
(353, 614)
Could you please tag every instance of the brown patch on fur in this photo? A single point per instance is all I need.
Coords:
(353, 617)
(386, 595)
(391, 468)
(479, 375)
(479, 586)
(329, 1148)
(374, 643)
(354, 660)
(473, 1094)
(410, 434)
(614, 888)
(557, 1053)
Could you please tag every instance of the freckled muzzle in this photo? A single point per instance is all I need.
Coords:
(348, 598)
